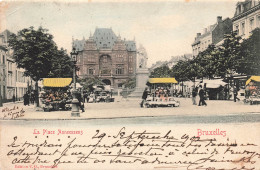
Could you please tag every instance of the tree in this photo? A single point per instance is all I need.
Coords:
(249, 59)
(229, 52)
(206, 63)
(130, 83)
(61, 64)
(179, 71)
(160, 72)
(88, 83)
(33, 51)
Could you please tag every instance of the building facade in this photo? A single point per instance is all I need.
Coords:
(246, 18)
(3, 81)
(106, 56)
(12, 80)
(214, 34)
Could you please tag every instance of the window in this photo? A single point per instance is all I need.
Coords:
(130, 58)
(237, 29)
(119, 70)
(120, 58)
(9, 79)
(9, 66)
(91, 58)
(251, 24)
(4, 75)
(243, 28)
(91, 71)
(130, 69)
(3, 59)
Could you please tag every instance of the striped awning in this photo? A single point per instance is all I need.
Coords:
(56, 82)
(254, 78)
(162, 80)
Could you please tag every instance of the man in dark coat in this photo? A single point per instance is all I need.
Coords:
(26, 99)
(14, 98)
(202, 97)
(235, 95)
(144, 96)
(80, 103)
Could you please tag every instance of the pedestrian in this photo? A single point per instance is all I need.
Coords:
(26, 99)
(144, 97)
(32, 98)
(80, 103)
(202, 97)
(194, 94)
(235, 95)
(85, 96)
(14, 98)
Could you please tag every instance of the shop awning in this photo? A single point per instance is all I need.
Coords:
(212, 84)
(162, 80)
(254, 78)
(56, 82)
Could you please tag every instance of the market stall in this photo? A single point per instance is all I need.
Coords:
(252, 92)
(216, 89)
(56, 94)
(161, 93)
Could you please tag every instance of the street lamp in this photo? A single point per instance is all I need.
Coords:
(75, 109)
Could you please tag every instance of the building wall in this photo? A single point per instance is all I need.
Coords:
(247, 21)
(3, 71)
(211, 35)
(202, 42)
(205, 42)
(12, 79)
(10, 73)
(222, 28)
(106, 57)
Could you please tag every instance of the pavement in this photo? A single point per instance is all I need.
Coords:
(130, 108)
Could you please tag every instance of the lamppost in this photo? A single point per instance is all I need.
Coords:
(75, 109)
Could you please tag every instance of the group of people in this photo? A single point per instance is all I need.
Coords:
(201, 92)
(163, 94)
(29, 97)
(51, 96)
(158, 94)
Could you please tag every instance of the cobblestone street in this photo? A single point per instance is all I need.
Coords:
(130, 108)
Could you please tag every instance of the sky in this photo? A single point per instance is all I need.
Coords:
(164, 28)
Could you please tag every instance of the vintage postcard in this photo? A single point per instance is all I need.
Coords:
(160, 84)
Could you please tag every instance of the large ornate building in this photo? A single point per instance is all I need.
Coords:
(106, 56)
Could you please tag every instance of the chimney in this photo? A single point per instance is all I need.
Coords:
(198, 35)
(219, 19)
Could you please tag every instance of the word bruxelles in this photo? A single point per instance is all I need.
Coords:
(144, 148)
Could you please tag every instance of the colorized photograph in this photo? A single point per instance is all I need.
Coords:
(125, 84)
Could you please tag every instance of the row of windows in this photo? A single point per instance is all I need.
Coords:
(119, 58)
(119, 71)
(19, 76)
(204, 45)
(252, 25)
